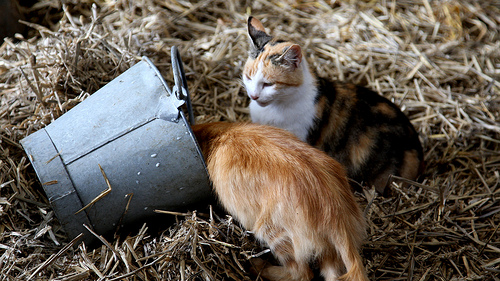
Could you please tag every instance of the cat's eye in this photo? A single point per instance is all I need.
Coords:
(268, 84)
(248, 77)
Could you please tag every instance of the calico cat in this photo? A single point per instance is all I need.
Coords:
(364, 131)
(291, 195)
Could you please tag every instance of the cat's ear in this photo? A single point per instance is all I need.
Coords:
(257, 33)
(292, 56)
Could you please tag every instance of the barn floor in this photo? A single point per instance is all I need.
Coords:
(438, 60)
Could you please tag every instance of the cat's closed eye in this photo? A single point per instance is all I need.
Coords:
(269, 84)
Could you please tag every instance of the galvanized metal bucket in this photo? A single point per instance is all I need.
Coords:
(134, 130)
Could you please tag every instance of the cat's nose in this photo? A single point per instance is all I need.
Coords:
(254, 97)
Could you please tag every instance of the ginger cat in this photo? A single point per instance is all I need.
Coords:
(292, 196)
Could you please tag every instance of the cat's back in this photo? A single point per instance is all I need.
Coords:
(366, 132)
(262, 155)
(350, 101)
(251, 163)
(254, 146)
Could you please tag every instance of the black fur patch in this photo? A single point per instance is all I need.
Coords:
(259, 40)
(392, 134)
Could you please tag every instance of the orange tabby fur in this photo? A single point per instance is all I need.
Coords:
(292, 196)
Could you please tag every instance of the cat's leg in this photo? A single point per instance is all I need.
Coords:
(283, 249)
(381, 182)
(331, 265)
(291, 270)
(412, 166)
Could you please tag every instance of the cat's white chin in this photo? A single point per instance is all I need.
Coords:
(263, 103)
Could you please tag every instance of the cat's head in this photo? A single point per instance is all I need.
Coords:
(273, 70)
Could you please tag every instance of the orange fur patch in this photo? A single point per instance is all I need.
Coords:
(257, 24)
(278, 74)
(321, 106)
(361, 150)
(338, 115)
(411, 165)
(385, 109)
(291, 195)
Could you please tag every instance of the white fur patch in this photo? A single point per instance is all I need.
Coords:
(292, 108)
(256, 88)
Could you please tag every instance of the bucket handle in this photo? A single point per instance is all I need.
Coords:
(180, 88)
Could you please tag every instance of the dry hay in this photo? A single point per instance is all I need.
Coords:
(438, 60)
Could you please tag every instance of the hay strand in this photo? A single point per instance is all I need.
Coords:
(438, 60)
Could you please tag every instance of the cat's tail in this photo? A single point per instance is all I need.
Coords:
(356, 272)
(352, 261)
(343, 257)
(344, 253)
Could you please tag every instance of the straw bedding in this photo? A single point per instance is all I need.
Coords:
(438, 60)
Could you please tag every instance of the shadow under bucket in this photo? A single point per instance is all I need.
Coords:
(133, 129)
